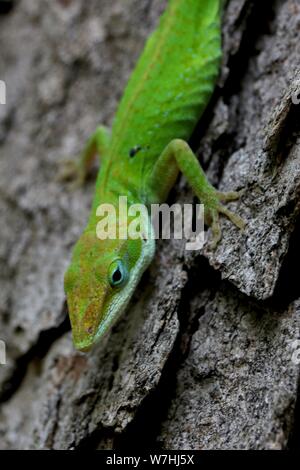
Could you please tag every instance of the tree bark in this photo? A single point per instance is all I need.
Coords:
(206, 355)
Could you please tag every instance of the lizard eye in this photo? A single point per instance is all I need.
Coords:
(117, 274)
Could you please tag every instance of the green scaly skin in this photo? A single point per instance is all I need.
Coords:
(141, 158)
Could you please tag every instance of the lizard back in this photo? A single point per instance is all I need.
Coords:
(168, 90)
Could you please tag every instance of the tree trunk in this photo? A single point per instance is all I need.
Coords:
(206, 356)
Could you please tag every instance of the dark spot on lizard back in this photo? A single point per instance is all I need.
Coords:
(134, 151)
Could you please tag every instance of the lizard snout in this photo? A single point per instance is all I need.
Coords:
(85, 329)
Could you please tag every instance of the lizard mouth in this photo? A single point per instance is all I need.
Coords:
(83, 346)
(85, 329)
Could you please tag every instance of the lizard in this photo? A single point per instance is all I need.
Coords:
(141, 158)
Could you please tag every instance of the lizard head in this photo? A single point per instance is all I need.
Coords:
(100, 281)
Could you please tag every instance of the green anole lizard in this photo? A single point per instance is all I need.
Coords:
(141, 158)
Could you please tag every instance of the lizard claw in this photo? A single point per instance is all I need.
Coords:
(230, 196)
(213, 211)
(71, 172)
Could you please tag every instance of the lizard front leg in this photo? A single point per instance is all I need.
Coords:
(176, 157)
(77, 170)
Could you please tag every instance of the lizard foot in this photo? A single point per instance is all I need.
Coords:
(70, 171)
(214, 208)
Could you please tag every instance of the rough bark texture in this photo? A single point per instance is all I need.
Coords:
(203, 357)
